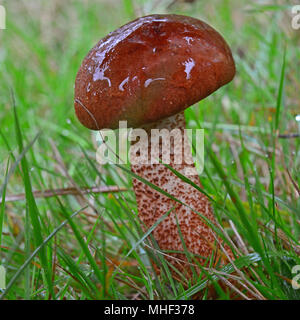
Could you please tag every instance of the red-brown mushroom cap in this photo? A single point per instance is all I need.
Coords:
(149, 69)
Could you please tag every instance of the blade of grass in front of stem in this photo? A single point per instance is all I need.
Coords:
(168, 195)
(157, 222)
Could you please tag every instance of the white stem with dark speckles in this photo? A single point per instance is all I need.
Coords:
(152, 205)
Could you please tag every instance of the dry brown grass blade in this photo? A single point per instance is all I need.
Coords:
(289, 136)
(284, 278)
(235, 247)
(239, 239)
(233, 287)
(293, 182)
(64, 192)
(247, 284)
(129, 281)
(287, 243)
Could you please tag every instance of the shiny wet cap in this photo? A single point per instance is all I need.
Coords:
(149, 69)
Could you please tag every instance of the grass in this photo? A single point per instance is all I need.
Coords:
(91, 245)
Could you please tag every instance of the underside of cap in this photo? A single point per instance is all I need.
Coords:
(149, 69)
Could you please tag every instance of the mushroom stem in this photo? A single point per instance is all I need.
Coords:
(198, 237)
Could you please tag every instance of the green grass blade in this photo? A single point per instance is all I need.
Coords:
(84, 247)
(35, 253)
(280, 91)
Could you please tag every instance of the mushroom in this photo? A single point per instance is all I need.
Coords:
(147, 73)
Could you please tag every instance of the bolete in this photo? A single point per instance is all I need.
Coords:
(147, 73)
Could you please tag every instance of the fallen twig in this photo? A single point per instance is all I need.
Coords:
(289, 136)
(64, 192)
